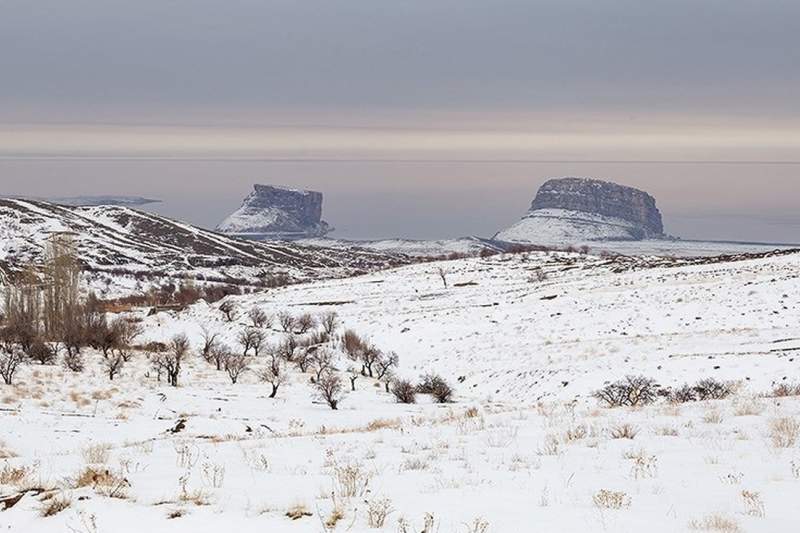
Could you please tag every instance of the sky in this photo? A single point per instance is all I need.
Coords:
(414, 118)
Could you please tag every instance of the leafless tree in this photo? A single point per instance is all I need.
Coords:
(404, 391)
(329, 389)
(113, 363)
(304, 357)
(305, 323)
(219, 352)
(259, 318)
(275, 373)
(322, 360)
(442, 274)
(437, 387)
(228, 310)
(353, 344)
(172, 360)
(287, 348)
(251, 338)
(286, 321)
(385, 364)
(73, 362)
(210, 343)
(370, 355)
(235, 366)
(329, 321)
(353, 373)
(61, 294)
(9, 363)
(41, 352)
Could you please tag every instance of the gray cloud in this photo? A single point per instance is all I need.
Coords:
(99, 57)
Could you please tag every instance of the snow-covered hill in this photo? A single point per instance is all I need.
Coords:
(122, 248)
(528, 327)
(524, 338)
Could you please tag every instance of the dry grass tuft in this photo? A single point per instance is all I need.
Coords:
(297, 511)
(784, 432)
(609, 499)
(716, 523)
(624, 431)
(54, 505)
(97, 454)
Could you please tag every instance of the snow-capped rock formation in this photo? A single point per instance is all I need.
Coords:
(277, 213)
(570, 210)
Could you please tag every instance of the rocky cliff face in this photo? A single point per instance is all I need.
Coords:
(601, 198)
(569, 210)
(271, 212)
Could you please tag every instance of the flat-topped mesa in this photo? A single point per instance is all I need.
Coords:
(281, 213)
(569, 210)
(601, 198)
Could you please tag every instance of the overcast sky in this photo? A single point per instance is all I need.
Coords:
(416, 118)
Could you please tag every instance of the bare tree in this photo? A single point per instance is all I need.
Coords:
(171, 360)
(259, 318)
(73, 362)
(305, 322)
(251, 338)
(210, 344)
(353, 344)
(442, 274)
(287, 348)
(219, 352)
(437, 387)
(286, 321)
(41, 352)
(61, 295)
(323, 361)
(235, 366)
(275, 373)
(228, 310)
(385, 363)
(370, 355)
(329, 389)
(353, 373)
(9, 363)
(329, 321)
(304, 356)
(113, 363)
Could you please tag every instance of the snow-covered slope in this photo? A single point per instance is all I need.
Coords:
(559, 227)
(120, 246)
(506, 333)
(416, 248)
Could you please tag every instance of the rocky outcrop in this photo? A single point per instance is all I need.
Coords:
(569, 210)
(271, 212)
(602, 198)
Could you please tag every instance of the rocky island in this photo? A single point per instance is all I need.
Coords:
(568, 210)
(273, 212)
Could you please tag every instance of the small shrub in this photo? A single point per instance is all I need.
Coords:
(713, 389)
(404, 391)
(436, 386)
(631, 391)
(784, 390)
(784, 432)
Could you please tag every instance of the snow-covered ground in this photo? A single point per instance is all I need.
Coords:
(525, 339)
